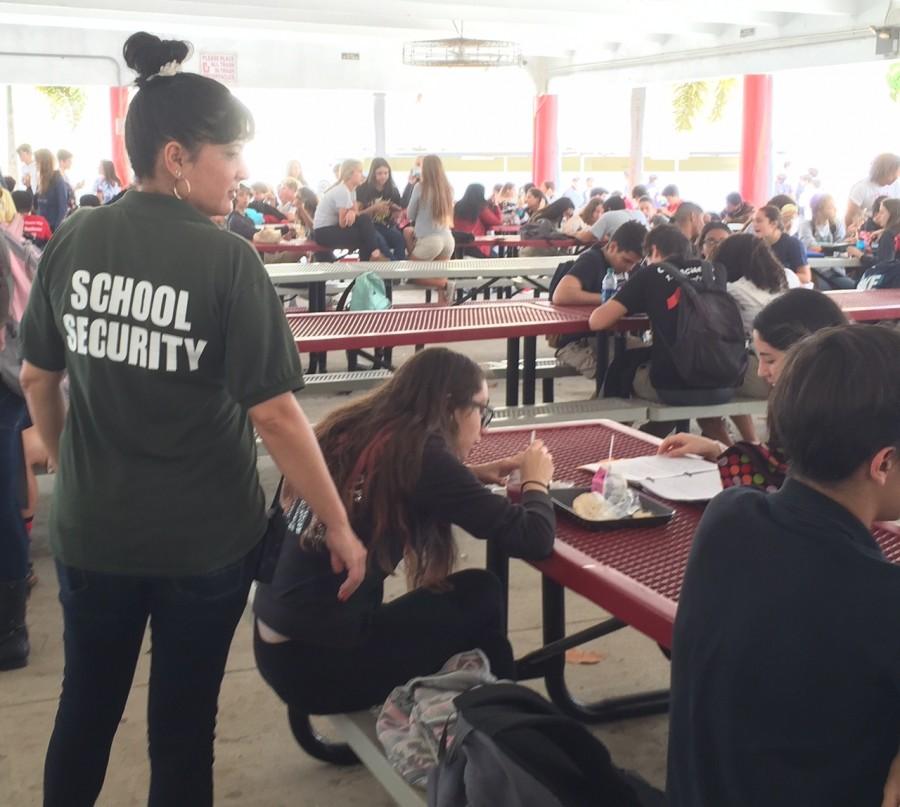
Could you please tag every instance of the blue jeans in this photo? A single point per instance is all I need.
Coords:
(192, 621)
(390, 242)
(13, 538)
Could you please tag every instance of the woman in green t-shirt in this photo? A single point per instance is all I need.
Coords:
(176, 347)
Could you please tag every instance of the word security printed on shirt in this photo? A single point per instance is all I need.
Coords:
(124, 340)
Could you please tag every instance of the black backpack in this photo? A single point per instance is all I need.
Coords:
(710, 348)
(513, 748)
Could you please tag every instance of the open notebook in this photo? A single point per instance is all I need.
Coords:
(678, 479)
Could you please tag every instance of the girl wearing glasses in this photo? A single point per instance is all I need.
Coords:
(397, 458)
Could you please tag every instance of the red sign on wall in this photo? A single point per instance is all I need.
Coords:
(220, 66)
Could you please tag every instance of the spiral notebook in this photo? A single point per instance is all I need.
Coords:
(677, 479)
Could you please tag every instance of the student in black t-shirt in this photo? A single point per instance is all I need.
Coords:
(397, 457)
(652, 291)
(582, 285)
(379, 198)
(237, 220)
(785, 660)
(788, 249)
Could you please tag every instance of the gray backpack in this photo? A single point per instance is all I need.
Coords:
(513, 748)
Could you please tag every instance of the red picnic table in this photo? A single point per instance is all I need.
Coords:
(509, 245)
(635, 574)
(317, 333)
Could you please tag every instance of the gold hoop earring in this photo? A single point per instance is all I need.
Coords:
(175, 192)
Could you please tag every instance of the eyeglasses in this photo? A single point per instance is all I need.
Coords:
(487, 413)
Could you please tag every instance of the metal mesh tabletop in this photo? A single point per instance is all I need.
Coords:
(350, 330)
(635, 573)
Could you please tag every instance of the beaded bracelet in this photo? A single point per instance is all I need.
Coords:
(535, 482)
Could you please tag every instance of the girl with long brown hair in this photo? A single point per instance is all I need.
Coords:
(396, 457)
(431, 211)
(52, 199)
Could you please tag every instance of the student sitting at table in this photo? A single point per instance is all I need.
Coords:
(689, 219)
(475, 215)
(790, 252)
(613, 217)
(823, 225)
(379, 198)
(785, 675)
(533, 200)
(287, 198)
(582, 285)
(397, 457)
(546, 224)
(883, 244)
(783, 323)
(711, 236)
(338, 225)
(263, 202)
(237, 220)
(884, 180)
(653, 291)
(737, 211)
(508, 203)
(584, 219)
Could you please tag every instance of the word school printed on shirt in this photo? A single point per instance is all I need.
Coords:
(127, 341)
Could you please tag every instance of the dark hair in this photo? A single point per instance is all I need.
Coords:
(537, 193)
(837, 401)
(392, 423)
(893, 208)
(670, 190)
(186, 107)
(555, 210)
(734, 199)
(380, 162)
(9, 183)
(876, 205)
(549, 184)
(472, 203)
(109, 172)
(638, 191)
(309, 200)
(745, 255)
(669, 241)
(24, 201)
(773, 214)
(685, 211)
(630, 237)
(527, 187)
(614, 202)
(779, 201)
(710, 226)
(884, 169)
(89, 200)
(588, 211)
(794, 315)
(598, 191)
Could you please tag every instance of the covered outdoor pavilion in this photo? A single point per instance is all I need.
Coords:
(354, 45)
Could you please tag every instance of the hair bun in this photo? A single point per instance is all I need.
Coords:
(146, 54)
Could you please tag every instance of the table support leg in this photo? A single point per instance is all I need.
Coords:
(529, 370)
(497, 562)
(553, 657)
(512, 371)
(602, 361)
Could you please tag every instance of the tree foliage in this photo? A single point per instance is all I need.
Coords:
(893, 80)
(67, 101)
(690, 99)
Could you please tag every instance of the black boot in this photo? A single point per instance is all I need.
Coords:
(13, 633)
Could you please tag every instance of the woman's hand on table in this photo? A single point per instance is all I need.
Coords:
(678, 445)
(347, 552)
(537, 464)
(496, 472)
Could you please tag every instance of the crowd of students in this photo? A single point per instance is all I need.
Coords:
(785, 688)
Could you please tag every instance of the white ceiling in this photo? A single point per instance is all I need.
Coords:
(279, 37)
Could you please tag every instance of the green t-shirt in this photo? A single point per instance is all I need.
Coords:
(170, 330)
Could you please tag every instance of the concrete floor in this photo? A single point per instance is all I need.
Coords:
(257, 760)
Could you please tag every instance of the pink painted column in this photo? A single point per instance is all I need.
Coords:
(756, 140)
(118, 107)
(545, 149)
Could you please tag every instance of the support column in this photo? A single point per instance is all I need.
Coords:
(118, 107)
(756, 140)
(380, 126)
(545, 149)
(636, 157)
